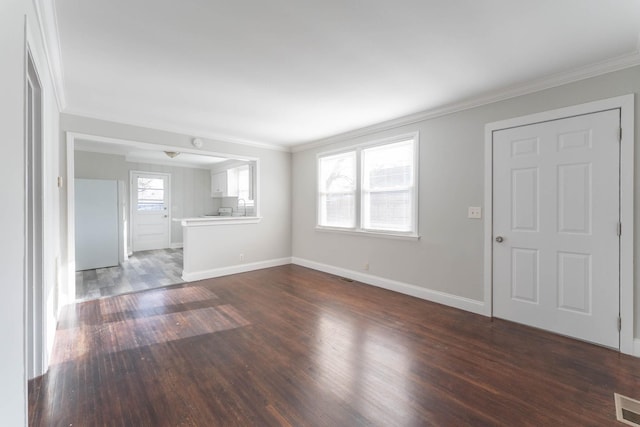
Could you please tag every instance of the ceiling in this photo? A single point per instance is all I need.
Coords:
(288, 72)
(149, 153)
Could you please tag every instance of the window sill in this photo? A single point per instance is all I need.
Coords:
(366, 233)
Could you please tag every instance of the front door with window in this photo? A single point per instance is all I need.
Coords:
(556, 211)
(150, 222)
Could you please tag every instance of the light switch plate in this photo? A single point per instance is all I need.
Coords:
(475, 212)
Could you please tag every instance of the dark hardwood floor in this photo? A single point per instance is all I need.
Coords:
(295, 347)
(143, 270)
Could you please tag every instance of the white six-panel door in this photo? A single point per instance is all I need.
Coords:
(556, 196)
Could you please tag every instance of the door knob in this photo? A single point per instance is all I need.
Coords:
(499, 239)
(165, 216)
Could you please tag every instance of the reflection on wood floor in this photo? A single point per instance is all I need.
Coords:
(295, 347)
(143, 270)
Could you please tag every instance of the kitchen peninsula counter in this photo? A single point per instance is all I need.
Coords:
(213, 220)
(220, 245)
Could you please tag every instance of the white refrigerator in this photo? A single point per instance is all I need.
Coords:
(97, 225)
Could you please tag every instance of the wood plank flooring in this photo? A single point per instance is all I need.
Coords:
(143, 270)
(289, 346)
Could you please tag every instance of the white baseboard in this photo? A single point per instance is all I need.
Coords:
(439, 297)
(234, 269)
(178, 245)
(450, 300)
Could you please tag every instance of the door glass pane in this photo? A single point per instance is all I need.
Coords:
(150, 194)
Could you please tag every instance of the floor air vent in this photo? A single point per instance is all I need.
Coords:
(627, 410)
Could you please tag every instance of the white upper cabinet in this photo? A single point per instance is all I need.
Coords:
(219, 184)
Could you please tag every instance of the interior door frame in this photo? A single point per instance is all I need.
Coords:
(626, 105)
(132, 204)
(34, 161)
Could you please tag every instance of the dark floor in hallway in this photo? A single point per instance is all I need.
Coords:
(143, 270)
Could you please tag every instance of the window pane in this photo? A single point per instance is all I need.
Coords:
(243, 183)
(150, 183)
(388, 166)
(150, 206)
(337, 186)
(338, 173)
(239, 182)
(150, 194)
(388, 210)
(338, 210)
(144, 194)
(388, 187)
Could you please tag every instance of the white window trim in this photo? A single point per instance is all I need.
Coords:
(359, 230)
(366, 233)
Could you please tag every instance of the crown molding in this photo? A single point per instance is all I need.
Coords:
(200, 133)
(48, 25)
(614, 64)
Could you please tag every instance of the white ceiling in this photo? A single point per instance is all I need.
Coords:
(287, 72)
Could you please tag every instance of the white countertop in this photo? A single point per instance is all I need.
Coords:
(201, 221)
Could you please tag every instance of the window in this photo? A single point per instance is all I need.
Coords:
(240, 183)
(370, 188)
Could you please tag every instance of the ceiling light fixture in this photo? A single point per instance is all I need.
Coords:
(171, 154)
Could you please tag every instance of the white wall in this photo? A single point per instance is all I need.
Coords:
(448, 259)
(12, 326)
(190, 187)
(13, 391)
(268, 240)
